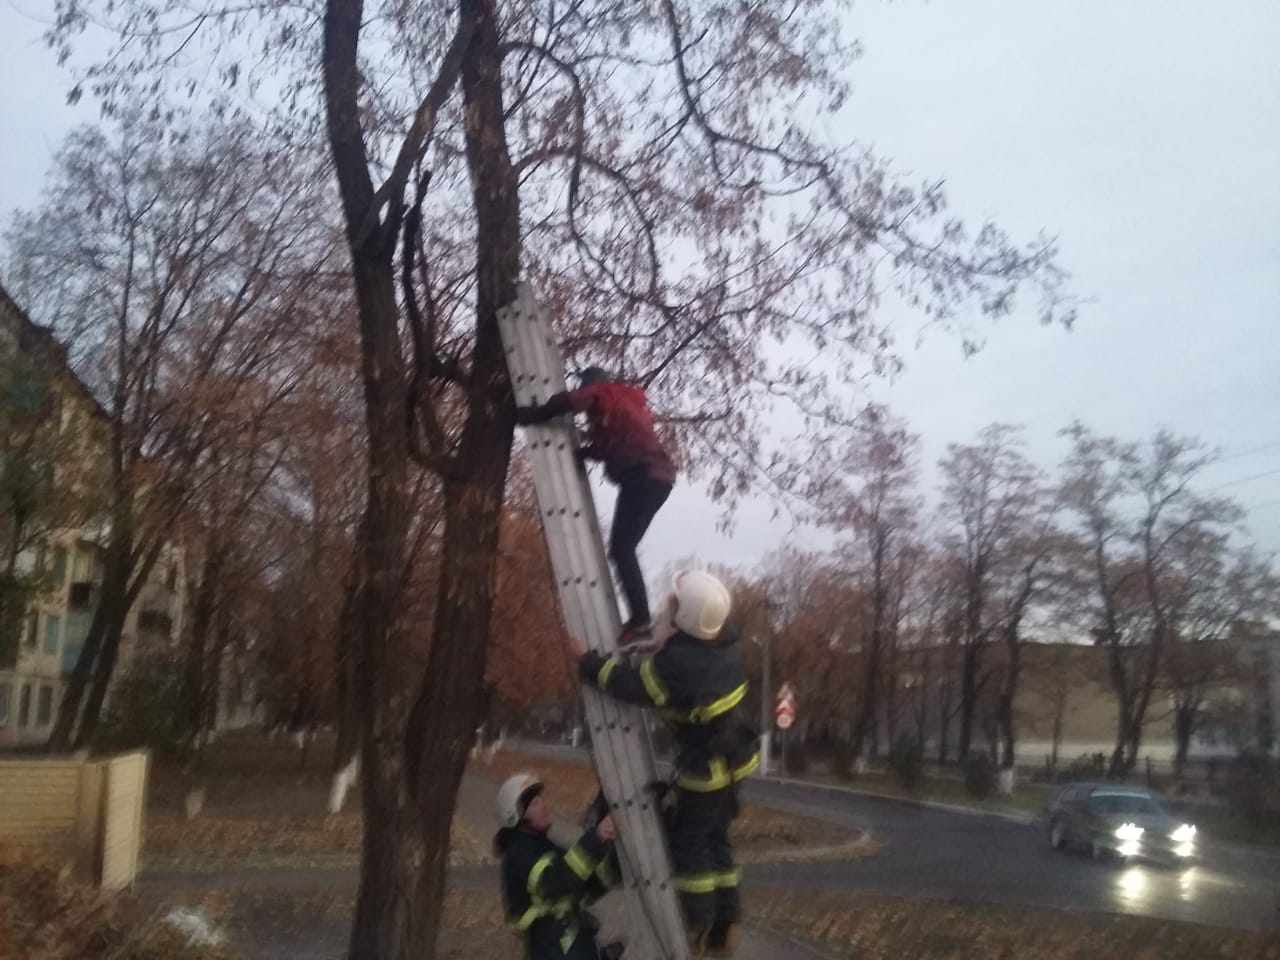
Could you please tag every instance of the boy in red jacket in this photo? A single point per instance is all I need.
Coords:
(621, 435)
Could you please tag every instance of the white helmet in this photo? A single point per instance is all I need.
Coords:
(508, 807)
(701, 604)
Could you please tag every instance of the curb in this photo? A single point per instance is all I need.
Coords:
(1026, 819)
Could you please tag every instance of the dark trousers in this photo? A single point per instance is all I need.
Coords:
(702, 857)
(639, 498)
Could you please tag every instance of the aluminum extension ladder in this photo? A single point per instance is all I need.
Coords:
(619, 739)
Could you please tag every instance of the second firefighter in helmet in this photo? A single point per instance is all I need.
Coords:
(546, 887)
(697, 682)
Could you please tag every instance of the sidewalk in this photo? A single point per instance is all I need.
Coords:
(475, 804)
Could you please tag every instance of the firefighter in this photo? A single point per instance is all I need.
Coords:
(545, 888)
(697, 682)
(621, 434)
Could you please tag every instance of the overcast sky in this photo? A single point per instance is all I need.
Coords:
(1143, 133)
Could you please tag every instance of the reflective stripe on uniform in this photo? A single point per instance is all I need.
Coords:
(566, 939)
(745, 770)
(538, 870)
(606, 874)
(606, 668)
(578, 861)
(696, 883)
(727, 878)
(717, 778)
(719, 775)
(653, 684)
(717, 707)
(526, 919)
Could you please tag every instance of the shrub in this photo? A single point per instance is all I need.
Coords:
(906, 760)
(1092, 766)
(842, 760)
(1253, 788)
(148, 708)
(980, 775)
(45, 915)
(797, 758)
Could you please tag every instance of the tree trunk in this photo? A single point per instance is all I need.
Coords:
(410, 772)
(448, 708)
(108, 618)
(348, 719)
(385, 925)
(1009, 692)
(968, 698)
(866, 721)
(1059, 714)
(1183, 727)
(211, 692)
(202, 616)
(105, 668)
(944, 727)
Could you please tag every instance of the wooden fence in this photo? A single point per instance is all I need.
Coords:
(88, 811)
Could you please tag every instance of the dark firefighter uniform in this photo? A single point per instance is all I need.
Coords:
(698, 687)
(545, 889)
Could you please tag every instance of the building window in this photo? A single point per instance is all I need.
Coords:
(33, 630)
(24, 706)
(172, 578)
(52, 633)
(59, 566)
(4, 704)
(44, 707)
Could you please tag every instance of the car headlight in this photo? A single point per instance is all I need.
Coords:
(1184, 834)
(1129, 831)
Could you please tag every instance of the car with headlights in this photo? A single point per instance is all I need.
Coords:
(1115, 820)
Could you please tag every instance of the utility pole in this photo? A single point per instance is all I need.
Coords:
(766, 692)
(766, 704)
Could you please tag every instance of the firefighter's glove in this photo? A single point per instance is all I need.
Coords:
(589, 665)
(527, 416)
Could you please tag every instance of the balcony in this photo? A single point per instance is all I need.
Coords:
(84, 595)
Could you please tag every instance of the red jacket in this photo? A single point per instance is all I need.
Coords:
(621, 429)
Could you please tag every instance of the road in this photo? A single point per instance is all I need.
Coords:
(946, 855)
(930, 853)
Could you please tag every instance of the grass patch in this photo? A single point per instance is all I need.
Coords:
(1026, 798)
(850, 924)
(46, 915)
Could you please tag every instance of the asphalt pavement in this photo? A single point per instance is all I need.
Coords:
(949, 855)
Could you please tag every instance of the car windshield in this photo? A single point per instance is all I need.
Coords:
(1124, 804)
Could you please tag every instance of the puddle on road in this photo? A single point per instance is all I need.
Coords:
(1137, 888)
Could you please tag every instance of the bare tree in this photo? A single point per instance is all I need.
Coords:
(1140, 520)
(989, 496)
(1027, 574)
(871, 500)
(153, 256)
(1210, 590)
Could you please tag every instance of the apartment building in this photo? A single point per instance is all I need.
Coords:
(52, 630)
